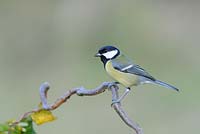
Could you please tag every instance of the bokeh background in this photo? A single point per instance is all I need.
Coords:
(54, 41)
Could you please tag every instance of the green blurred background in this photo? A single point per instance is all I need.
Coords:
(54, 41)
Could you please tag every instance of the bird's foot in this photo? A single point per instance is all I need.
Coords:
(112, 84)
(116, 82)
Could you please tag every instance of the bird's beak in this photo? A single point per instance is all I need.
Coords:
(97, 55)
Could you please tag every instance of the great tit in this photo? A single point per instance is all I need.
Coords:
(124, 71)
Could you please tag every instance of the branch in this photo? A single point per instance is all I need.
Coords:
(81, 91)
(123, 115)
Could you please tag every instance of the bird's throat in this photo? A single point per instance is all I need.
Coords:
(104, 60)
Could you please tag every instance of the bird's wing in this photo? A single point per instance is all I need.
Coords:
(124, 64)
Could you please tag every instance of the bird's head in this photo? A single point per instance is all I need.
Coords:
(108, 52)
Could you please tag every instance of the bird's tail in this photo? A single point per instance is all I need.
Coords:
(165, 85)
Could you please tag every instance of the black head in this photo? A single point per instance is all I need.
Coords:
(107, 53)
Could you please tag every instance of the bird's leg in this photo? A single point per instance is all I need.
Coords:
(121, 97)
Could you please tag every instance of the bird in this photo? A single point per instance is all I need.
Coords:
(124, 71)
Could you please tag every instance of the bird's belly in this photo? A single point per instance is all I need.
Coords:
(125, 79)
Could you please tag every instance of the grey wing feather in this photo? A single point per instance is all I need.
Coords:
(124, 64)
(139, 71)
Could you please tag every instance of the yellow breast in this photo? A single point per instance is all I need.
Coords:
(125, 79)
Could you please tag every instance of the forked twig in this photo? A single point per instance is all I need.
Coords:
(81, 91)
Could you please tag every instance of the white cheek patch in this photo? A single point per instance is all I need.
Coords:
(110, 54)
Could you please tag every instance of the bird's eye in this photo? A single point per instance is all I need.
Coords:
(105, 51)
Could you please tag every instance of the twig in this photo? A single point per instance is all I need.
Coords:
(85, 92)
(43, 94)
(81, 91)
(123, 115)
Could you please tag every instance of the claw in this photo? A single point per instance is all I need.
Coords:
(112, 84)
(116, 82)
